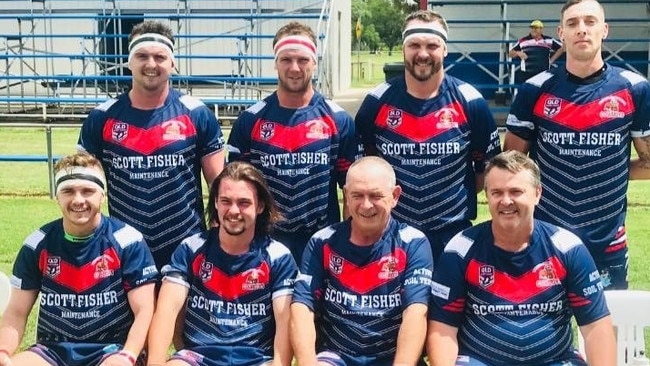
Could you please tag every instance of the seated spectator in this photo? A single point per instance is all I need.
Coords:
(368, 278)
(234, 281)
(504, 291)
(95, 276)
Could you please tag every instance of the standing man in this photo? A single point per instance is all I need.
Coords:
(578, 122)
(95, 276)
(153, 143)
(435, 130)
(504, 291)
(234, 279)
(537, 52)
(364, 283)
(302, 142)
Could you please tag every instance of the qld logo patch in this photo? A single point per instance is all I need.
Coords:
(336, 264)
(486, 276)
(53, 268)
(267, 130)
(120, 131)
(206, 271)
(552, 106)
(394, 118)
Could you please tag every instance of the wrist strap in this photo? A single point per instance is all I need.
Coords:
(128, 355)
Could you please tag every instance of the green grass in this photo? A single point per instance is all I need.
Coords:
(370, 67)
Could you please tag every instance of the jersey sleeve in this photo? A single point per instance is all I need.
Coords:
(485, 142)
(308, 287)
(283, 269)
(348, 145)
(419, 269)
(179, 268)
(239, 140)
(641, 96)
(365, 123)
(210, 136)
(91, 133)
(138, 267)
(584, 289)
(27, 267)
(520, 118)
(556, 45)
(448, 288)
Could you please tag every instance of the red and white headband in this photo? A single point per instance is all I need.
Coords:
(151, 39)
(295, 42)
(430, 29)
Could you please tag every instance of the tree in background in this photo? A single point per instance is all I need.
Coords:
(382, 21)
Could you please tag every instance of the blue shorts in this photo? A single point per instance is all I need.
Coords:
(577, 360)
(613, 272)
(341, 359)
(222, 356)
(74, 354)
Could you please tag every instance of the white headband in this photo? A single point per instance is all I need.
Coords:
(151, 39)
(75, 175)
(296, 42)
(430, 29)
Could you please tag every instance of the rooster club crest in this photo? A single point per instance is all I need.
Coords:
(336, 264)
(446, 118)
(53, 266)
(552, 106)
(388, 267)
(394, 118)
(102, 268)
(267, 130)
(611, 107)
(546, 275)
(253, 280)
(120, 131)
(486, 276)
(317, 130)
(206, 271)
(173, 130)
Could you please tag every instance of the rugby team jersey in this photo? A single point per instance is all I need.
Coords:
(434, 145)
(359, 292)
(515, 308)
(303, 153)
(152, 160)
(230, 296)
(83, 286)
(580, 134)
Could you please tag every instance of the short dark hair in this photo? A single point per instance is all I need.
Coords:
(571, 3)
(241, 171)
(294, 29)
(152, 26)
(427, 16)
(515, 162)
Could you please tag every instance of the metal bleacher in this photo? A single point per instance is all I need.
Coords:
(59, 58)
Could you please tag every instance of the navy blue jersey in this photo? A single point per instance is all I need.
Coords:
(83, 286)
(360, 291)
(302, 153)
(580, 136)
(539, 51)
(434, 145)
(152, 161)
(230, 297)
(515, 308)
